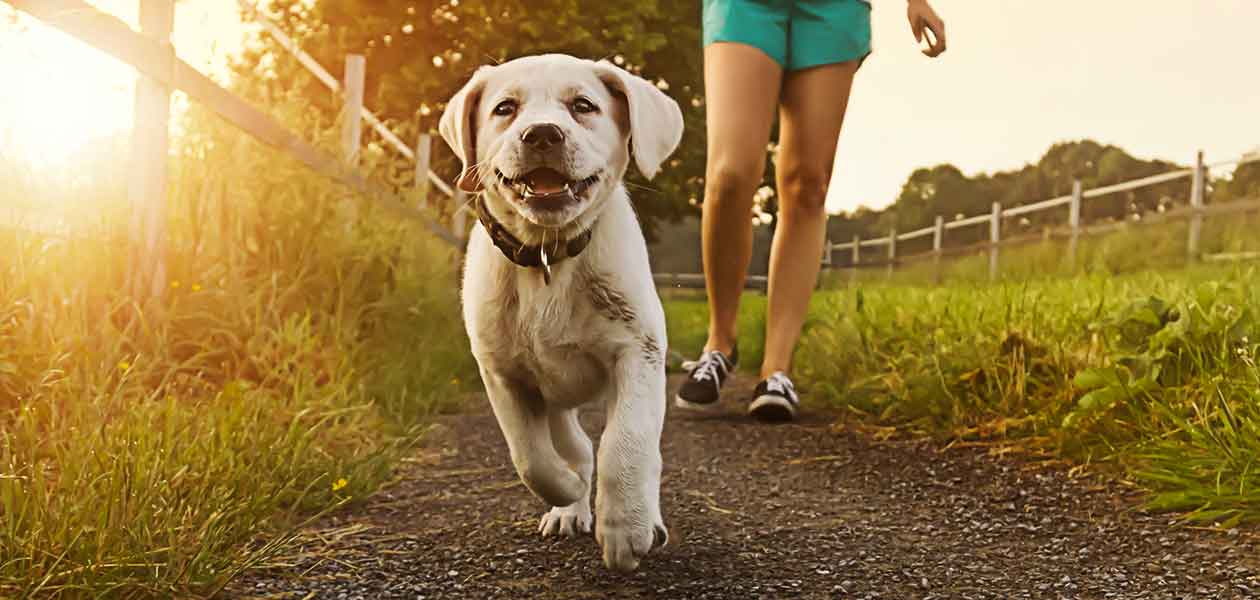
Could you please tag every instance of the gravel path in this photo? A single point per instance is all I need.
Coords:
(756, 511)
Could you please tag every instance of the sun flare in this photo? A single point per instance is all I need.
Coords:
(64, 96)
(64, 99)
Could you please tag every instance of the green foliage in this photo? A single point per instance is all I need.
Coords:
(420, 52)
(1243, 183)
(147, 449)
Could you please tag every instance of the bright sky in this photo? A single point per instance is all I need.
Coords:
(1158, 78)
(62, 95)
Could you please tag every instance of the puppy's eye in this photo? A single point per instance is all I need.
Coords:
(582, 105)
(505, 109)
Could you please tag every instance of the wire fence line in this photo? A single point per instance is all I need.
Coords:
(151, 54)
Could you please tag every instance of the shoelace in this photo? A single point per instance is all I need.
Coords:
(778, 382)
(707, 368)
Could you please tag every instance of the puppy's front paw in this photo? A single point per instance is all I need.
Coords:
(567, 521)
(625, 541)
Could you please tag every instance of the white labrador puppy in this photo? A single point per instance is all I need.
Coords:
(558, 297)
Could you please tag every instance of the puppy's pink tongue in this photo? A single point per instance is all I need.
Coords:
(546, 181)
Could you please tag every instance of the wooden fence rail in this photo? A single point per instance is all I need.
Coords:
(420, 157)
(152, 55)
(1195, 212)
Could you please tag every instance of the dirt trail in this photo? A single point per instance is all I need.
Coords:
(758, 511)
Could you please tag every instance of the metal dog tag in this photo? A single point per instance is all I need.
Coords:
(546, 264)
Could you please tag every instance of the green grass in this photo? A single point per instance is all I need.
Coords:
(688, 319)
(1153, 372)
(154, 449)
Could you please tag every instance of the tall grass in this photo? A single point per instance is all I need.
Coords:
(1154, 372)
(151, 448)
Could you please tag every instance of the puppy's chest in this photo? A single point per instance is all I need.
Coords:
(554, 326)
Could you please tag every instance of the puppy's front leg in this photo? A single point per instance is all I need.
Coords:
(628, 520)
(522, 417)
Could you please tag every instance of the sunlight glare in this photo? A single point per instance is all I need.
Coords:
(65, 95)
(65, 98)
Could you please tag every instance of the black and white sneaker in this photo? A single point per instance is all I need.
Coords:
(703, 386)
(775, 399)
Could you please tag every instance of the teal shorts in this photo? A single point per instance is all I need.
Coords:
(797, 34)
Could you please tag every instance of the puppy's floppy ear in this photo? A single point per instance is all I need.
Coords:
(656, 122)
(460, 132)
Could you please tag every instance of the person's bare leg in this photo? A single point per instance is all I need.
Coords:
(810, 114)
(741, 85)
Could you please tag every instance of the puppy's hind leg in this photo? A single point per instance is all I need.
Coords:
(522, 417)
(574, 446)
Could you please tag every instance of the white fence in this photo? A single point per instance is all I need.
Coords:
(151, 54)
(1195, 212)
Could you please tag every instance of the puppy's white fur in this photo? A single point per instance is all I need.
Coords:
(597, 332)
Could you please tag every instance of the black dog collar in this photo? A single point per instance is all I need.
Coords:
(540, 256)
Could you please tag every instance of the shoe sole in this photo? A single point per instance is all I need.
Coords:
(682, 403)
(772, 409)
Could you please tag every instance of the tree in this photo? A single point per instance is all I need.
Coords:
(1243, 184)
(419, 52)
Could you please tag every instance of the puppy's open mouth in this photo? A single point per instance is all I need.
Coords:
(547, 188)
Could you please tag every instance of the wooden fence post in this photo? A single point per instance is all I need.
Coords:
(995, 238)
(1074, 222)
(938, 247)
(150, 143)
(352, 122)
(892, 250)
(856, 259)
(424, 152)
(1197, 184)
(352, 108)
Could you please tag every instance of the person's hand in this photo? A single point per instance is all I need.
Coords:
(926, 24)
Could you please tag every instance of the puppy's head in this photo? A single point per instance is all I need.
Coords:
(552, 135)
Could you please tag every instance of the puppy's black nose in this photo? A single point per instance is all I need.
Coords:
(542, 136)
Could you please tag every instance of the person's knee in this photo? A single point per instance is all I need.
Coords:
(730, 185)
(803, 190)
